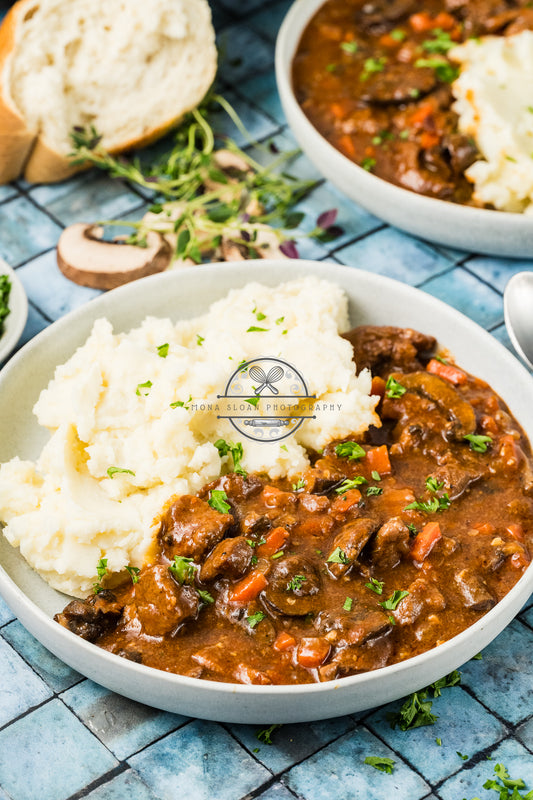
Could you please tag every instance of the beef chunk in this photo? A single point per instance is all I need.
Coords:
(398, 83)
(378, 16)
(293, 586)
(474, 591)
(91, 618)
(218, 661)
(385, 348)
(457, 477)
(348, 543)
(190, 527)
(238, 490)
(353, 627)
(160, 604)
(230, 558)
(390, 543)
(423, 595)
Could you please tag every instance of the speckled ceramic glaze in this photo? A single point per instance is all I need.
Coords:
(480, 230)
(186, 293)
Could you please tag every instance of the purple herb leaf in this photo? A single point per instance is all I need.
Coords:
(288, 249)
(327, 218)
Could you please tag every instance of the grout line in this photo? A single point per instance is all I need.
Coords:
(100, 781)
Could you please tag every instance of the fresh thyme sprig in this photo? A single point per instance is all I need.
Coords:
(210, 196)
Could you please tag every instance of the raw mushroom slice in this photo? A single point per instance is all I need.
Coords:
(86, 259)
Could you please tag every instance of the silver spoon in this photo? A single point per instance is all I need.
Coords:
(518, 311)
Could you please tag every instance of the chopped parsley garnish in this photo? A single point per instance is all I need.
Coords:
(374, 490)
(462, 756)
(162, 350)
(205, 597)
(200, 339)
(478, 443)
(382, 764)
(372, 65)
(349, 47)
(101, 570)
(433, 485)
(280, 320)
(338, 557)
(444, 71)
(441, 42)
(259, 316)
(438, 741)
(297, 486)
(477, 657)
(183, 569)
(394, 388)
(350, 450)
(284, 447)
(5, 291)
(133, 573)
(331, 67)
(404, 135)
(375, 586)
(415, 712)
(504, 784)
(277, 555)
(375, 475)
(181, 403)
(145, 385)
(265, 735)
(255, 619)
(236, 452)
(255, 329)
(350, 483)
(295, 584)
(391, 604)
(413, 530)
(348, 603)
(217, 500)
(431, 506)
(368, 163)
(398, 35)
(112, 471)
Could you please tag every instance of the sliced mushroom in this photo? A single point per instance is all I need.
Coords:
(460, 412)
(84, 258)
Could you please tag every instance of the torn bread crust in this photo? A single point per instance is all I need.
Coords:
(168, 75)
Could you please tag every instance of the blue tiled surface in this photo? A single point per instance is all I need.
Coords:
(63, 737)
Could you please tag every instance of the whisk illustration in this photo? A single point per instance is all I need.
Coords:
(266, 380)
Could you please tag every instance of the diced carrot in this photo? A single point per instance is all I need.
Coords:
(378, 386)
(429, 139)
(249, 587)
(445, 21)
(319, 526)
(347, 146)
(378, 459)
(449, 372)
(516, 531)
(486, 528)
(491, 404)
(488, 425)
(345, 502)
(340, 109)
(419, 116)
(276, 498)
(509, 451)
(421, 22)
(312, 652)
(388, 41)
(274, 541)
(246, 674)
(283, 641)
(520, 560)
(425, 541)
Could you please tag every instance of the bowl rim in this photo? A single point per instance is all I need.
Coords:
(35, 618)
(289, 35)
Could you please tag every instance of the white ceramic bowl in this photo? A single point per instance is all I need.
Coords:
(18, 312)
(185, 293)
(474, 229)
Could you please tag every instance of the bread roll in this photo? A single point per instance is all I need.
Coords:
(131, 68)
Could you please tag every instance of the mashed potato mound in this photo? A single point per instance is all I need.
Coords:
(494, 104)
(109, 405)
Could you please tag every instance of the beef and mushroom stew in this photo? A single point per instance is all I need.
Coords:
(374, 77)
(384, 548)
